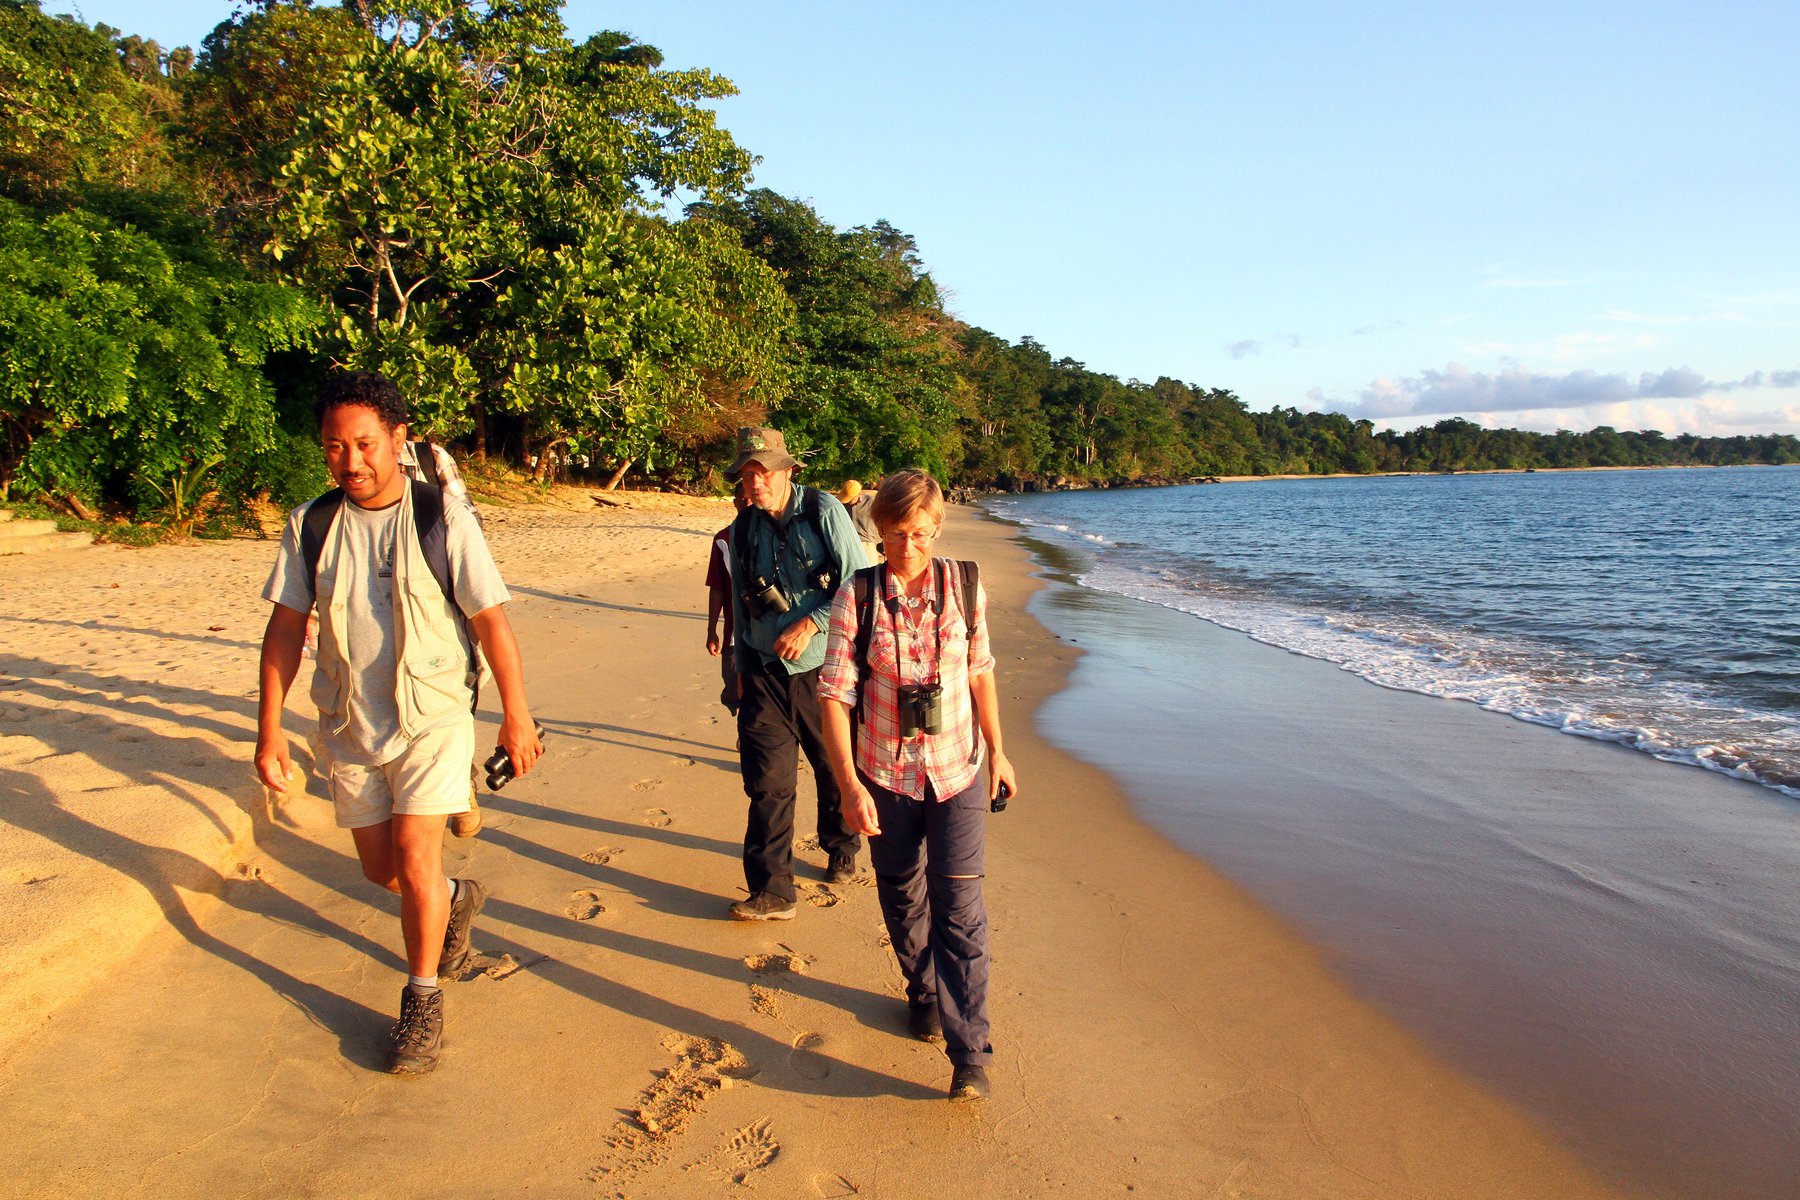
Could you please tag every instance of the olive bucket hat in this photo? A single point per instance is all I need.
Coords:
(766, 447)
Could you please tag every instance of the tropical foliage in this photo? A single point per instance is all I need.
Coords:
(556, 251)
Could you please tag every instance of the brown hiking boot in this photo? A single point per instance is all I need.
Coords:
(470, 896)
(468, 824)
(419, 1033)
(763, 907)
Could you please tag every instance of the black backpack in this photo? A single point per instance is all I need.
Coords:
(870, 582)
(433, 530)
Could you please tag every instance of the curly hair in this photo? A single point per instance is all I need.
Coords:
(365, 388)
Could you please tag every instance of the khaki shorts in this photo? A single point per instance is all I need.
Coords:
(429, 779)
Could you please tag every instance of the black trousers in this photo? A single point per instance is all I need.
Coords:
(778, 718)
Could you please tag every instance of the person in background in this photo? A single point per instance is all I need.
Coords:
(861, 506)
(394, 682)
(790, 547)
(918, 684)
(718, 605)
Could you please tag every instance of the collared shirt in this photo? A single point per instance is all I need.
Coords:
(787, 552)
(912, 646)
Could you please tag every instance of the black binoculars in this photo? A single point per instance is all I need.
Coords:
(762, 597)
(499, 765)
(921, 709)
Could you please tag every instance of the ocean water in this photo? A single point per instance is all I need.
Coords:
(1655, 609)
(1608, 941)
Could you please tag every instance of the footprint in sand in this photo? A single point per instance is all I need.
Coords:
(745, 1152)
(501, 967)
(603, 855)
(822, 897)
(584, 905)
(645, 785)
(808, 1059)
(765, 1002)
(658, 818)
(789, 962)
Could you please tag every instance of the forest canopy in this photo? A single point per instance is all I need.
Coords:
(558, 253)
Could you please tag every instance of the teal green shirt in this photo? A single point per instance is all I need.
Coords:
(787, 552)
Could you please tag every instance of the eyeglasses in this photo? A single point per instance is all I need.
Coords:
(917, 537)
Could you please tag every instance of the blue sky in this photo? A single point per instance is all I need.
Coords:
(1535, 215)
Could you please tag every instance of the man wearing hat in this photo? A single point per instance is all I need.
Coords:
(791, 547)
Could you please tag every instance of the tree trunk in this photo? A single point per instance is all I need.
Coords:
(543, 471)
(612, 484)
(480, 414)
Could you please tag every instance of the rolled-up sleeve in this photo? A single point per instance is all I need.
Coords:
(837, 677)
(981, 654)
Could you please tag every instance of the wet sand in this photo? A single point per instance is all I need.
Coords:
(1157, 1033)
(1607, 938)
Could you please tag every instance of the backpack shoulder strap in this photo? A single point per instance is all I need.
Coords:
(968, 578)
(434, 535)
(869, 583)
(433, 528)
(426, 454)
(313, 528)
(739, 540)
(813, 510)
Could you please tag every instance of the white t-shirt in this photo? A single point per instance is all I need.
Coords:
(366, 564)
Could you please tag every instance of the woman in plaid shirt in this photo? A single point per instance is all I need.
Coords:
(917, 793)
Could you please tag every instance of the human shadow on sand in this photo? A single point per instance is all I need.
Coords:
(770, 1056)
(580, 600)
(518, 807)
(585, 731)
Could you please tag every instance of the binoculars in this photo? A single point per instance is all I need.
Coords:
(499, 765)
(762, 597)
(921, 709)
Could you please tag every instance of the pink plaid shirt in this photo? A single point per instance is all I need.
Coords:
(904, 650)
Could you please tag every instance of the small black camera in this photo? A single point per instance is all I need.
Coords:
(921, 709)
(1001, 796)
(499, 765)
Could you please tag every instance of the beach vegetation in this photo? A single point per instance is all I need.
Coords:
(556, 251)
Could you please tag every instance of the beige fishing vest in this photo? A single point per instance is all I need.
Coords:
(432, 663)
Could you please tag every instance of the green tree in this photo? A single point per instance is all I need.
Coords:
(874, 356)
(130, 357)
(78, 110)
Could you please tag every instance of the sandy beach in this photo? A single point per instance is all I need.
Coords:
(199, 982)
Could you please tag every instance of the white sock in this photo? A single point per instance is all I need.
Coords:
(424, 983)
(452, 885)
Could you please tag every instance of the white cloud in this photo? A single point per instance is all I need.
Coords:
(1248, 348)
(1515, 389)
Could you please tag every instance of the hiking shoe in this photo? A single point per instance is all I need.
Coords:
(468, 824)
(842, 869)
(922, 1019)
(470, 896)
(419, 1033)
(968, 1083)
(764, 906)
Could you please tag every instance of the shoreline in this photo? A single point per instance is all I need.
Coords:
(1155, 1029)
(1506, 893)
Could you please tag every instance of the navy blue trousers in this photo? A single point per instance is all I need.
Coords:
(937, 923)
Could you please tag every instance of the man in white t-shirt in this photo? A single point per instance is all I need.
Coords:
(394, 679)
